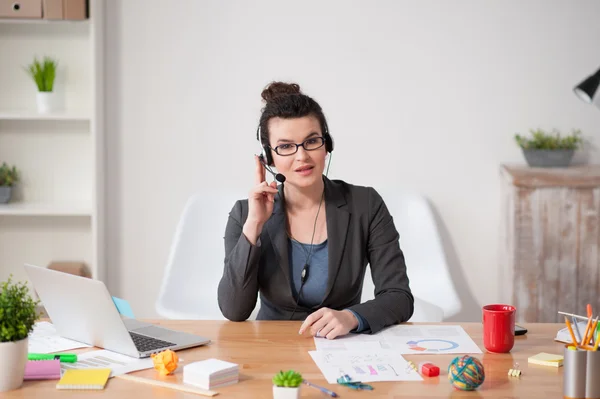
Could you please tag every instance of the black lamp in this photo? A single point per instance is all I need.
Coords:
(586, 89)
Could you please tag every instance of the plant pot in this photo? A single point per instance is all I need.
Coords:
(285, 392)
(548, 158)
(5, 193)
(47, 101)
(14, 358)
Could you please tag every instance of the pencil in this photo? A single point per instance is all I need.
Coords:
(587, 330)
(596, 344)
(573, 315)
(570, 331)
(592, 331)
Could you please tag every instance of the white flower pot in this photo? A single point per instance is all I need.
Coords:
(285, 392)
(14, 358)
(47, 101)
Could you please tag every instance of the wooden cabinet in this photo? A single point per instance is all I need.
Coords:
(550, 238)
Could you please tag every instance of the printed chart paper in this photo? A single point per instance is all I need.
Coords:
(364, 366)
(45, 339)
(119, 364)
(406, 340)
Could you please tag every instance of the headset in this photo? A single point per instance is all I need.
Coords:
(266, 159)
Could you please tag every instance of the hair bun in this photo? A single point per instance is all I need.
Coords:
(279, 89)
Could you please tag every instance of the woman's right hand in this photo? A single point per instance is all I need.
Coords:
(260, 203)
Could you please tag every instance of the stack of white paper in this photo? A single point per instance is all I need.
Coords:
(210, 373)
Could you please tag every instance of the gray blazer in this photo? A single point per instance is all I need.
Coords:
(360, 231)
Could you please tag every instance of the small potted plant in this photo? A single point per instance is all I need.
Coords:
(286, 385)
(8, 177)
(549, 149)
(17, 317)
(43, 74)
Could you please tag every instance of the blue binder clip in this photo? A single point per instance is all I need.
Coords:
(346, 381)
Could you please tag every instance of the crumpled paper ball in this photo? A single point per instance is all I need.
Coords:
(165, 362)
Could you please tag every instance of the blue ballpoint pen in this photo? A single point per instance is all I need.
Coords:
(324, 390)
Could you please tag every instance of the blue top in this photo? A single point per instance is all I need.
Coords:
(315, 285)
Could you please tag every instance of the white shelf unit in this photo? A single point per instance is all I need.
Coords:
(57, 210)
(32, 115)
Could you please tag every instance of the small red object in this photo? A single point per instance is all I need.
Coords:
(429, 369)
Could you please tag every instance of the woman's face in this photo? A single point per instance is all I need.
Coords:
(303, 168)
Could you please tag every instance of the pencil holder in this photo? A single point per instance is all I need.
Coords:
(592, 380)
(575, 365)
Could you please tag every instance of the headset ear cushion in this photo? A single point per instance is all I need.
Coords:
(328, 143)
(267, 155)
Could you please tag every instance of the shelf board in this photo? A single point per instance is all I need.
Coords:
(38, 21)
(29, 115)
(45, 209)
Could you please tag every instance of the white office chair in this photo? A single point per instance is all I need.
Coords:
(195, 264)
(435, 295)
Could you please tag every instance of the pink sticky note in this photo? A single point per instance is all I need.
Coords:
(42, 370)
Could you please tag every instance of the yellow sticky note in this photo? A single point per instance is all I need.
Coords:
(547, 359)
(84, 379)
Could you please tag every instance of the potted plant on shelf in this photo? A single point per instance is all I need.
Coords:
(286, 385)
(17, 317)
(549, 149)
(43, 74)
(8, 177)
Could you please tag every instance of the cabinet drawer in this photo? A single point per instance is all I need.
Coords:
(20, 8)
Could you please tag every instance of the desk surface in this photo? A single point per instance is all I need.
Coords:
(263, 348)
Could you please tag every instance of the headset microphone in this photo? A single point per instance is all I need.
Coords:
(278, 176)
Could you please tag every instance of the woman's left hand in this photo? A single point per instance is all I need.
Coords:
(329, 323)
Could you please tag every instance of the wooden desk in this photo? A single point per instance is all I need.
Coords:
(263, 348)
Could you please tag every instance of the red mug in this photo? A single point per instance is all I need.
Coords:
(499, 328)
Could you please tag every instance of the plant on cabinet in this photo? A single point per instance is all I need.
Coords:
(8, 177)
(549, 149)
(17, 317)
(286, 385)
(43, 74)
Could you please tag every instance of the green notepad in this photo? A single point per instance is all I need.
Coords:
(84, 379)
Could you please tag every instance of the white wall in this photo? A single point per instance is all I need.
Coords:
(424, 95)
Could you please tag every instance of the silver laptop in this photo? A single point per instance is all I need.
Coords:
(83, 310)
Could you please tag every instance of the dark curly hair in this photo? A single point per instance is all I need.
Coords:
(285, 100)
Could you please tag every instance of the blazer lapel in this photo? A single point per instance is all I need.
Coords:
(338, 219)
(276, 227)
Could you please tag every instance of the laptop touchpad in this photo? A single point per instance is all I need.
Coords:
(153, 331)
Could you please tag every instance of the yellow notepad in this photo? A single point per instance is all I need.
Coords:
(84, 379)
(547, 359)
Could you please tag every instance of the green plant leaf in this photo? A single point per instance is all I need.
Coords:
(542, 140)
(8, 175)
(43, 73)
(17, 311)
(290, 379)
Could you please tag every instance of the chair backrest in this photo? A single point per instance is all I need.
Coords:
(427, 269)
(195, 263)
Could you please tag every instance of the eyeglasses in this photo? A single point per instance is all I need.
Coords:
(311, 144)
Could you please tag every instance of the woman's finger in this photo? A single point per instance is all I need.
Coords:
(259, 171)
(323, 332)
(335, 332)
(318, 325)
(263, 188)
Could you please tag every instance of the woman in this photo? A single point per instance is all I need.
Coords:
(305, 245)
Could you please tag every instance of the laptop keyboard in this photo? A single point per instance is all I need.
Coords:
(146, 344)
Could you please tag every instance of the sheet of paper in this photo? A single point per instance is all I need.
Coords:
(119, 364)
(405, 340)
(44, 339)
(364, 366)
